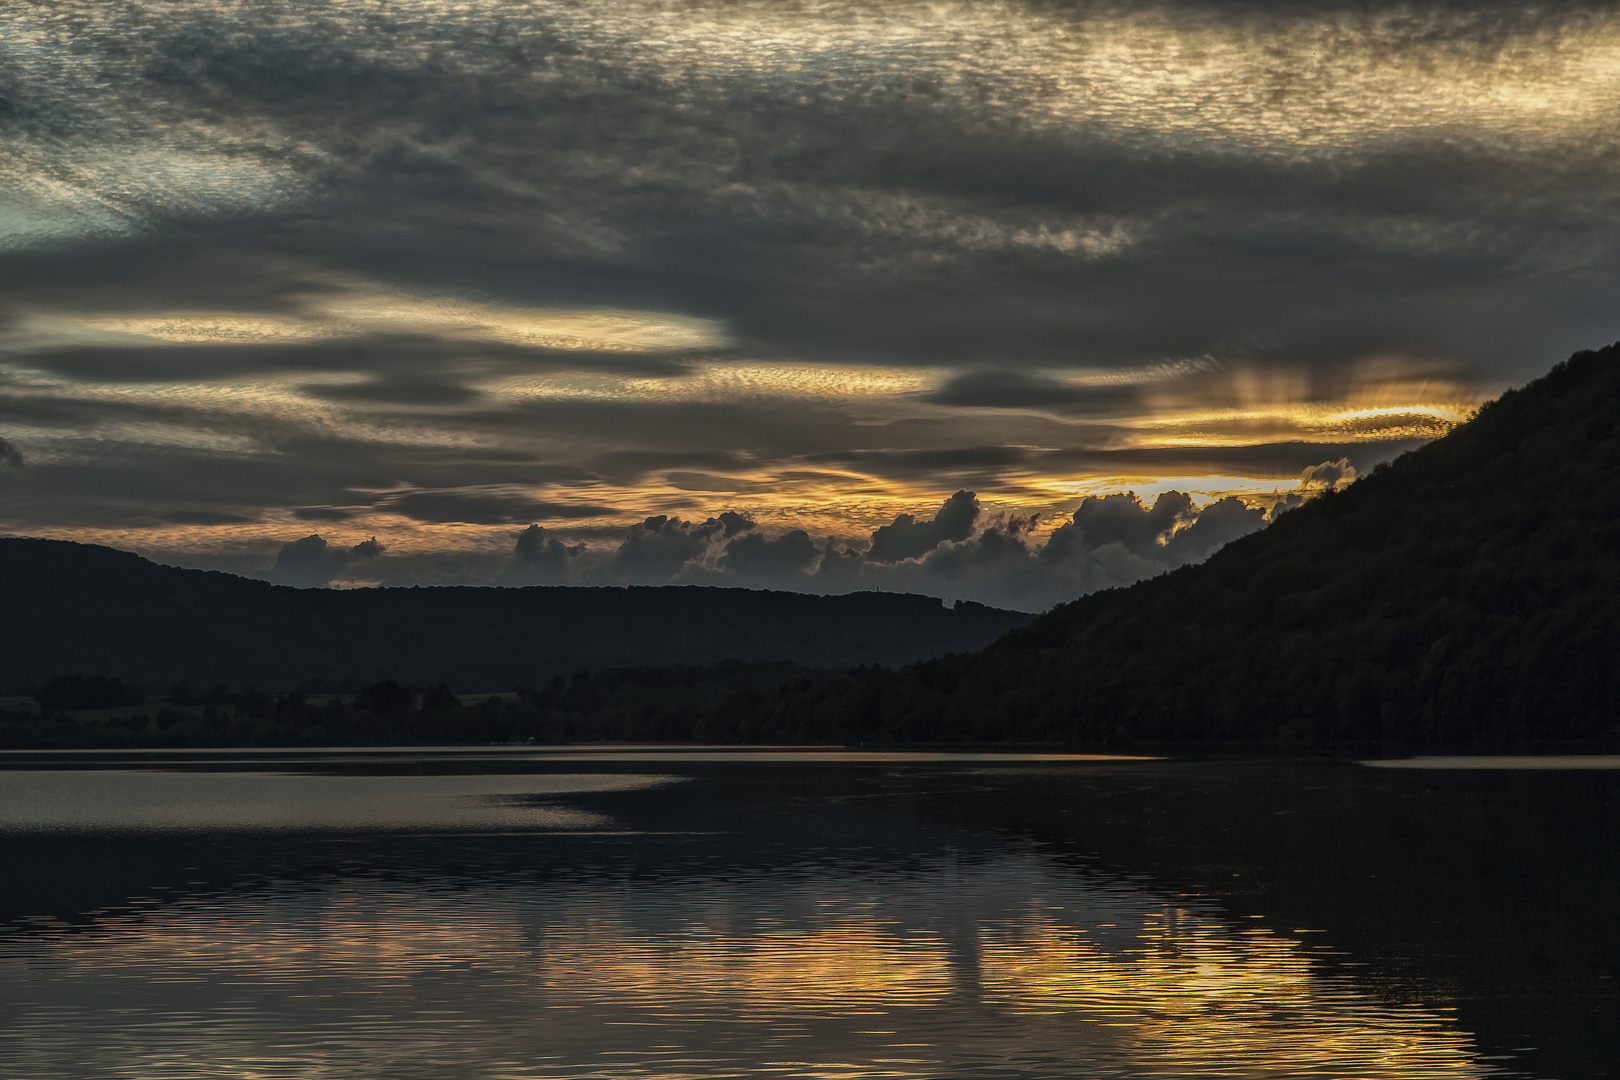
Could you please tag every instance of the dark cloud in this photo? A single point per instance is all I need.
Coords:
(397, 362)
(1215, 525)
(755, 559)
(366, 549)
(10, 455)
(394, 392)
(1108, 541)
(908, 538)
(204, 517)
(1123, 520)
(732, 523)
(538, 559)
(998, 548)
(630, 466)
(901, 462)
(1023, 390)
(312, 562)
(484, 508)
(654, 551)
(690, 481)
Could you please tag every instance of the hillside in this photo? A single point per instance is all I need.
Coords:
(1466, 595)
(80, 608)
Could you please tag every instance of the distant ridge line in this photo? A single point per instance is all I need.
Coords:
(73, 607)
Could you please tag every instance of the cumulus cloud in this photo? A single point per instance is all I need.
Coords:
(908, 538)
(1121, 519)
(1108, 541)
(732, 523)
(1214, 526)
(538, 559)
(1329, 474)
(1315, 479)
(761, 561)
(960, 553)
(654, 551)
(312, 562)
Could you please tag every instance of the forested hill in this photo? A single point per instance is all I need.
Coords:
(1466, 595)
(79, 608)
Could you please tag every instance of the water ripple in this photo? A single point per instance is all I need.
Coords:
(1000, 968)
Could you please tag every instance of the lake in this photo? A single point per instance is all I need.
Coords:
(506, 913)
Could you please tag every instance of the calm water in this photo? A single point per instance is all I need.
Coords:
(663, 915)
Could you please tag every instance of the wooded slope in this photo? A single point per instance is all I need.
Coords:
(1465, 595)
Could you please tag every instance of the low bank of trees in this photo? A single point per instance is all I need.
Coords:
(726, 702)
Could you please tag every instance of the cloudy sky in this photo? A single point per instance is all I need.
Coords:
(816, 294)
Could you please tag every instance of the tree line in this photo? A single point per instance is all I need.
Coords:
(725, 702)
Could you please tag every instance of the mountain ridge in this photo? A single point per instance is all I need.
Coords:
(85, 608)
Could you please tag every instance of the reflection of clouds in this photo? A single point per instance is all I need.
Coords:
(1003, 967)
(1188, 985)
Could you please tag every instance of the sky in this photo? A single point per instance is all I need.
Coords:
(995, 301)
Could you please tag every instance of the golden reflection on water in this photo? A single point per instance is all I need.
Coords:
(1190, 984)
(993, 969)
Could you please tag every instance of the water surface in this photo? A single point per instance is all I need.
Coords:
(555, 915)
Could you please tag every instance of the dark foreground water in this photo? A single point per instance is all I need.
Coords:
(498, 915)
